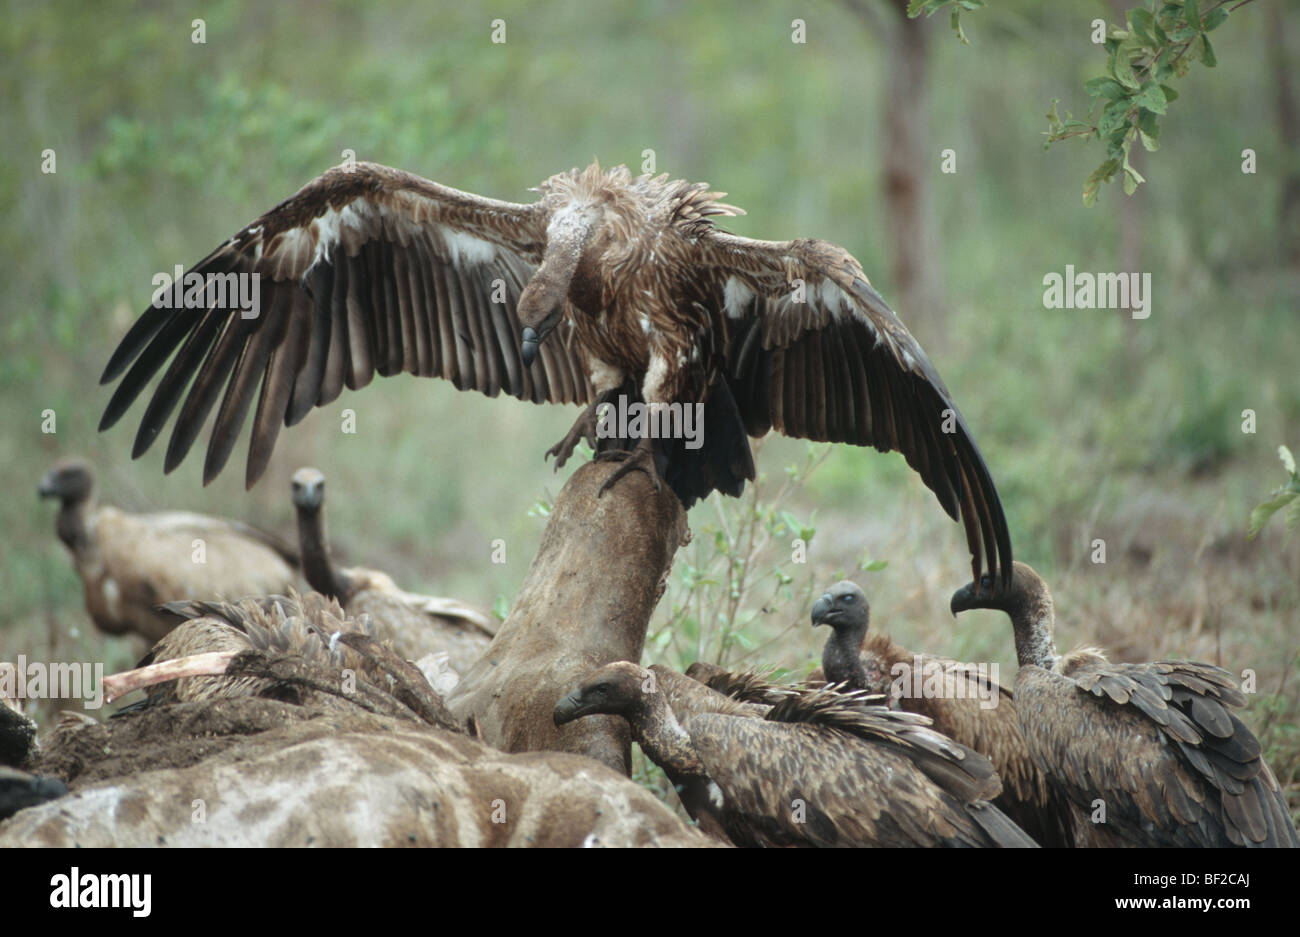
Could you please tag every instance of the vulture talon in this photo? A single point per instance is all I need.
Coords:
(583, 429)
(640, 459)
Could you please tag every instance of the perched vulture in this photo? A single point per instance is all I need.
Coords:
(606, 286)
(416, 625)
(1156, 745)
(965, 704)
(819, 770)
(131, 563)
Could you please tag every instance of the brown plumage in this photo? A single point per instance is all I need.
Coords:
(819, 770)
(301, 649)
(370, 270)
(416, 625)
(1156, 744)
(755, 688)
(130, 564)
(965, 704)
(687, 695)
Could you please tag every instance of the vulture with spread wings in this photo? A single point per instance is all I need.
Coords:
(606, 286)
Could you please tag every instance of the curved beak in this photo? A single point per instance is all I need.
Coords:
(821, 608)
(568, 708)
(963, 599)
(48, 488)
(533, 338)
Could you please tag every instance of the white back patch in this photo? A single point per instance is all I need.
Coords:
(465, 249)
(736, 297)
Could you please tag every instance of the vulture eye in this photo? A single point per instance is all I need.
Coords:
(848, 599)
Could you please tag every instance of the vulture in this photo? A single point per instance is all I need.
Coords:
(298, 649)
(1153, 750)
(818, 770)
(608, 289)
(416, 625)
(964, 703)
(130, 564)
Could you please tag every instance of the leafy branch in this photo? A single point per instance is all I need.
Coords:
(1286, 496)
(1158, 46)
(1129, 100)
(916, 8)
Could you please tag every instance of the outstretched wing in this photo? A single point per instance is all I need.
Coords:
(366, 269)
(816, 353)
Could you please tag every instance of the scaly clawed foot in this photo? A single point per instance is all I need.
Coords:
(583, 428)
(640, 459)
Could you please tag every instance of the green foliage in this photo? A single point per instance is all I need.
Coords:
(916, 8)
(1156, 48)
(745, 571)
(1287, 496)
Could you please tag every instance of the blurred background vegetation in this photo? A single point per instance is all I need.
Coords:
(1096, 426)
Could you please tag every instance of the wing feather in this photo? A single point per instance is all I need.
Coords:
(834, 363)
(366, 269)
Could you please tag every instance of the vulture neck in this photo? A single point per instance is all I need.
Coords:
(669, 746)
(70, 524)
(1033, 617)
(317, 566)
(842, 656)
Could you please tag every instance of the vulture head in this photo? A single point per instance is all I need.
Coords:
(617, 689)
(844, 607)
(1026, 590)
(541, 304)
(71, 481)
(308, 489)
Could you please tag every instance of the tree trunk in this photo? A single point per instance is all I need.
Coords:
(1288, 129)
(598, 574)
(909, 164)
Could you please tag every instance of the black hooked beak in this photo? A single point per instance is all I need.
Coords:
(821, 608)
(533, 338)
(969, 595)
(568, 708)
(49, 486)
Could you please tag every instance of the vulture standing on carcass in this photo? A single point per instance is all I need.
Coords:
(965, 704)
(819, 770)
(1156, 745)
(416, 625)
(130, 564)
(607, 285)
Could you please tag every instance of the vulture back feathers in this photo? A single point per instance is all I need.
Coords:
(1157, 744)
(819, 770)
(608, 285)
(130, 564)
